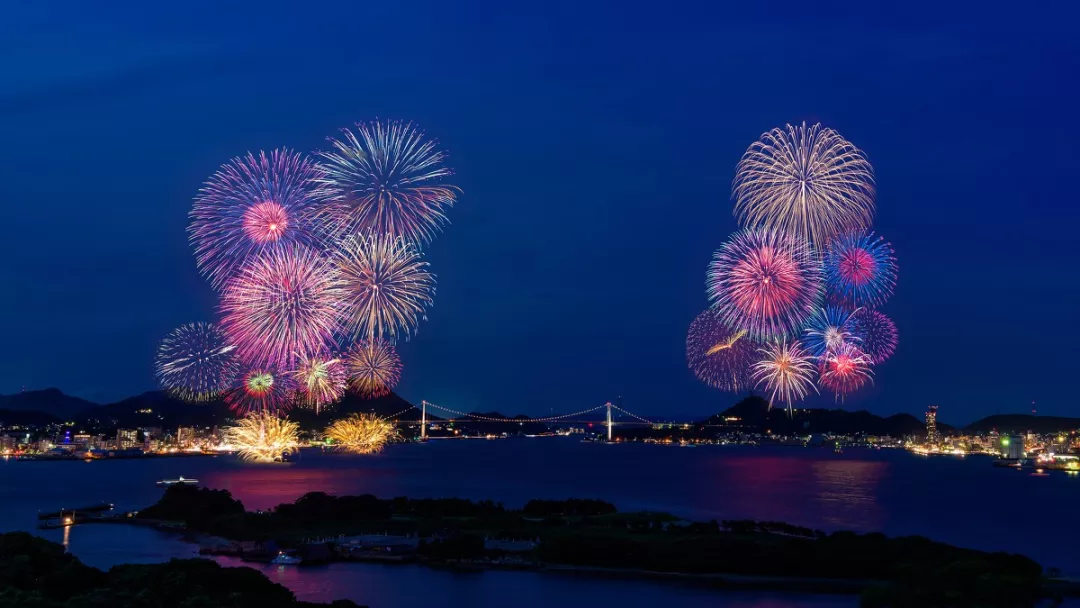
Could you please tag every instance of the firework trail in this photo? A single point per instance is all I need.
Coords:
(828, 329)
(195, 362)
(860, 270)
(254, 204)
(387, 286)
(261, 390)
(786, 370)
(807, 181)
(718, 356)
(764, 283)
(263, 437)
(385, 178)
(373, 368)
(361, 433)
(283, 306)
(876, 333)
(321, 381)
(845, 369)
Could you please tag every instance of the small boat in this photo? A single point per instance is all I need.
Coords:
(1009, 462)
(181, 481)
(285, 559)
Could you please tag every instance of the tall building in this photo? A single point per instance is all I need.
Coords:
(931, 424)
(185, 436)
(126, 438)
(1012, 447)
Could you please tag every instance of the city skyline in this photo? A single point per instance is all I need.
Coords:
(590, 203)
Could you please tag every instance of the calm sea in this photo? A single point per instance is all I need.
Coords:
(964, 501)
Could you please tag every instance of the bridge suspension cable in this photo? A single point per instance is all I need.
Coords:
(520, 420)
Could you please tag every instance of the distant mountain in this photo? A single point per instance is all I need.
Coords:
(754, 412)
(30, 418)
(49, 401)
(1022, 423)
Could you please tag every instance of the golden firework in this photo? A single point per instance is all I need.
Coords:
(263, 437)
(361, 433)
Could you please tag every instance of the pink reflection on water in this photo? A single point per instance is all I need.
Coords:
(266, 486)
(802, 491)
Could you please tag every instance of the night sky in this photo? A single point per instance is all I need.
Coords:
(595, 146)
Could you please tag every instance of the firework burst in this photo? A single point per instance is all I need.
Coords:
(860, 270)
(845, 369)
(361, 433)
(787, 371)
(321, 381)
(764, 283)
(254, 204)
(373, 368)
(718, 356)
(876, 333)
(263, 437)
(261, 390)
(807, 181)
(387, 285)
(827, 330)
(196, 363)
(282, 307)
(386, 178)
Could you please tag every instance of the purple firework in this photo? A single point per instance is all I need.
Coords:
(860, 270)
(876, 334)
(717, 355)
(255, 204)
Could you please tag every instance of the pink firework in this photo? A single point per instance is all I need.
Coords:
(876, 334)
(718, 356)
(845, 369)
(283, 307)
(261, 390)
(765, 283)
(254, 204)
(860, 270)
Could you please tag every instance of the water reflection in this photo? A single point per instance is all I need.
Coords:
(847, 493)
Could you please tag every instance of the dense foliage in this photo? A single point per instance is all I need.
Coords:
(35, 573)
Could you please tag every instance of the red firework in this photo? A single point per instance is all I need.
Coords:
(845, 369)
(283, 307)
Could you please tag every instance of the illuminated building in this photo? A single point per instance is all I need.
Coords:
(185, 436)
(126, 438)
(931, 424)
(1012, 447)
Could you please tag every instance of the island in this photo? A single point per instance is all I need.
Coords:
(592, 538)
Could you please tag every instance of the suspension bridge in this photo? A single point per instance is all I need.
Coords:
(572, 418)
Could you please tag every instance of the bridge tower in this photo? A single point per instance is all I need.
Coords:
(608, 406)
(423, 421)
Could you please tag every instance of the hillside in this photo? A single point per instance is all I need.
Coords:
(753, 413)
(1022, 423)
(50, 401)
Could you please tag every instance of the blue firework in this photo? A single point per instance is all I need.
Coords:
(829, 329)
(860, 270)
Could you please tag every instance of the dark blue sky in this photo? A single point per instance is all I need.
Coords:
(595, 145)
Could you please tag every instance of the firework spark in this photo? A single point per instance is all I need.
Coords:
(387, 285)
(195, 362)
(283, 306)
(254, 204)
(860, 270)
(261, 390)
(361, 433)
(387, 179)
(808, 181)
(787, 370)
(845, 369)
(718, 356)
(828, 329)
(373, 368)
(877, 334)
(263, 437)
(764, 283)
(321, 381)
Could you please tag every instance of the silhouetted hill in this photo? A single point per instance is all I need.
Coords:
(49, 401)
(12, 418)
(753, 412)
(1022, 423)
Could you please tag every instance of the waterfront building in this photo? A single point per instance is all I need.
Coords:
(931, 424)
(126, 439)
(1012, 447)
(185, 436)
